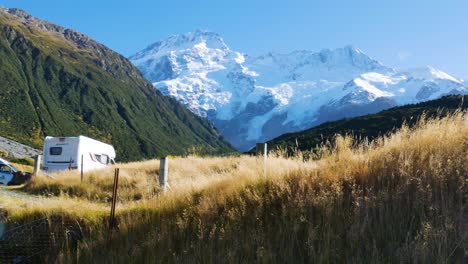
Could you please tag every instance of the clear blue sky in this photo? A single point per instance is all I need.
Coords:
(400, 33)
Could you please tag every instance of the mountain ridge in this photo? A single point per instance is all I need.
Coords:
(254, 99)
(60, 82)
(369, 126)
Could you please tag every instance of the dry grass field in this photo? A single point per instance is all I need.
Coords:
(401, 198)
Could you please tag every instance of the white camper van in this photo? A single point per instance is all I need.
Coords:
(68, 153)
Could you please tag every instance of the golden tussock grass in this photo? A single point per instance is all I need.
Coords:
(401, 198)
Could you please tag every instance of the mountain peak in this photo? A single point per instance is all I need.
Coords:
(348, 57)
(26, 18)
(17, 20)
(56, 69)
(253, 99)
(184, 42)
(430, 73)
(348, 52)
(16, 12)
(205, 33)
(352, 49)
(199, 35)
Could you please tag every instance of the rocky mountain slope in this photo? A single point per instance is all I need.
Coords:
(13, 149)
(58, 82)
(254, 99)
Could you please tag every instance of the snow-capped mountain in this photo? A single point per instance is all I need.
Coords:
(254, 99)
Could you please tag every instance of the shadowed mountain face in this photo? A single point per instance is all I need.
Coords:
(255, 99)
(59, 82)
(369, 126)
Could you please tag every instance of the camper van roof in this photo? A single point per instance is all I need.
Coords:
(78, 137)
(83, 139)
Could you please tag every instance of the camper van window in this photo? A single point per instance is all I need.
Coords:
(55, 151)
(104, 159)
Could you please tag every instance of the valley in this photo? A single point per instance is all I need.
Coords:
(365, 163)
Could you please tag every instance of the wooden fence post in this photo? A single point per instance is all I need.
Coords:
(164, 173)
(114, 200)
(81, 168)
(37, 165)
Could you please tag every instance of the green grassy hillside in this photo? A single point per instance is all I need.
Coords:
(368, 126)
(58, 82)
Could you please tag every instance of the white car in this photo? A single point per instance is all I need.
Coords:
(9, 175)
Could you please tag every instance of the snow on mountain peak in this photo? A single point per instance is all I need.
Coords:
(430, 73)
(253, 99)
(348, 55)
(183, 42)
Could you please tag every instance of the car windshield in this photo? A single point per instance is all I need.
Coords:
(13, 169)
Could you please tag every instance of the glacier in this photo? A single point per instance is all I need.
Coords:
(257, 98)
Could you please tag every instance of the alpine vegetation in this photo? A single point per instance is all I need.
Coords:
(399, 198)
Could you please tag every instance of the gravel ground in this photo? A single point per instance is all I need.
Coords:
(16, 149)
(29, 199)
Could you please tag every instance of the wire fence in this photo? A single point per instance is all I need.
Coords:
(24, 243)
(44, 238)
(39, 241)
